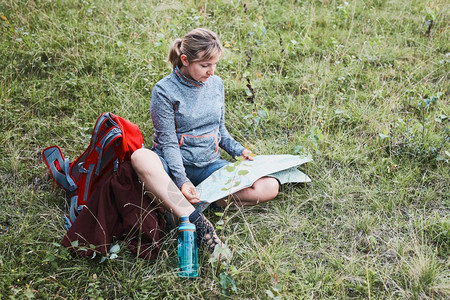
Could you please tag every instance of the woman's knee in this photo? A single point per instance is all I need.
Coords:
(266, 188)
(271, 187)
(141, 155)
(144, 157)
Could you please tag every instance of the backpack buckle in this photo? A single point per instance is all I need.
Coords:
(81, 167)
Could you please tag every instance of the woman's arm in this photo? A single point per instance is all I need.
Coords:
(163, 116)
(227, 143)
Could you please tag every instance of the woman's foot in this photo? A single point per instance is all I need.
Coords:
(206, 234)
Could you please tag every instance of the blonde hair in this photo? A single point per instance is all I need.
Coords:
(198, 45)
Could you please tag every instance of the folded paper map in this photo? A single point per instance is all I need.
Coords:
(242, 174)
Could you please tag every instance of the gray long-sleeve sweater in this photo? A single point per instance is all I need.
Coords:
(188, 118)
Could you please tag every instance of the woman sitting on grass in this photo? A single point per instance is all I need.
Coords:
(187, 109)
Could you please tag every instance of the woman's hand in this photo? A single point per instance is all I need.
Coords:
(247, 154)
(190, 193)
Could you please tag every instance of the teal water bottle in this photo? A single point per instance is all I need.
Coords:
(187, 249)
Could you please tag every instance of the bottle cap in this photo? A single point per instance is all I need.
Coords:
(185, 224)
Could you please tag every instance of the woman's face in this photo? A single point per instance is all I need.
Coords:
(199, 70)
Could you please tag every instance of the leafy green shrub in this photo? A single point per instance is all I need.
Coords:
(422, 135)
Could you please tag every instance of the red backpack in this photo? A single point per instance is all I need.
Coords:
(113, 141)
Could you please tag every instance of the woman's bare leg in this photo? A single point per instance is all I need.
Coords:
(262, 190)
(150, 171)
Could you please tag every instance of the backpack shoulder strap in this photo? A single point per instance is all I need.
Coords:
(59, 168)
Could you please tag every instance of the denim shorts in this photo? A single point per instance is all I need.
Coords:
(195, 174)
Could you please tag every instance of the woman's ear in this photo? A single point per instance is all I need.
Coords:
(184, 60)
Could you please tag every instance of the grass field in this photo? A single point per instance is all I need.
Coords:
(362, 87)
